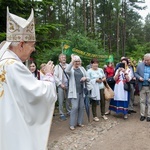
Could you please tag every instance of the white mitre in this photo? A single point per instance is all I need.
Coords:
(18, 29)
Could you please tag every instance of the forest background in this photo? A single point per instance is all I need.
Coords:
(100, 27)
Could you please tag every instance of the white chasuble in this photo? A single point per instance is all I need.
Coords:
(26, 106)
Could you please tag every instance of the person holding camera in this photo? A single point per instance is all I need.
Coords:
(121, 98)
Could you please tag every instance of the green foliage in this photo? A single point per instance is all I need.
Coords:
(15, 6)
(84, 43)
(2, 36)
(139, 51)
(45, 43)
(80, 41)
(91, 26)
(147, 28)
(44, 55)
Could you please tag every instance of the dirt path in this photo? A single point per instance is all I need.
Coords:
(115, 133)
(131, 134)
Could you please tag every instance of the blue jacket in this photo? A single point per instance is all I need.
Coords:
(140, 73)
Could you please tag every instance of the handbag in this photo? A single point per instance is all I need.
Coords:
(127, 86)
(108, 92)
(132, 81)
(110, 80)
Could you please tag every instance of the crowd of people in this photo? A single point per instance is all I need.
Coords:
(28, 95)
(71, 80)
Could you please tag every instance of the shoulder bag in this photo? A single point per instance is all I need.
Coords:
(127, 86)
(108, 92)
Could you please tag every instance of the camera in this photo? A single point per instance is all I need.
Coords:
(122, 65)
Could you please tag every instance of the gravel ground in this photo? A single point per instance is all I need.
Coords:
(114, 133)
(82, 138)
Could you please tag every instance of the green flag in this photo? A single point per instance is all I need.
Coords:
(67, 50)
(110, 59)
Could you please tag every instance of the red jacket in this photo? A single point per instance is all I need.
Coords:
(110, 72)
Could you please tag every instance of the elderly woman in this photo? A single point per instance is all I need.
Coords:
(121, 99)
(97, 77)
(77, 80)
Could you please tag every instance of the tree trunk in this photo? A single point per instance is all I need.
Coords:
(66, 15)
(94, 15)
(84, 16)
(75, 13)
(123, 27)
(117, 38)
(91, 16)
(110, 32)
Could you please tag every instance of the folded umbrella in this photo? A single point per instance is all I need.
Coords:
(87, 104)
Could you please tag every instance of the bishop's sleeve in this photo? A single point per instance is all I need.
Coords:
(33, 97)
